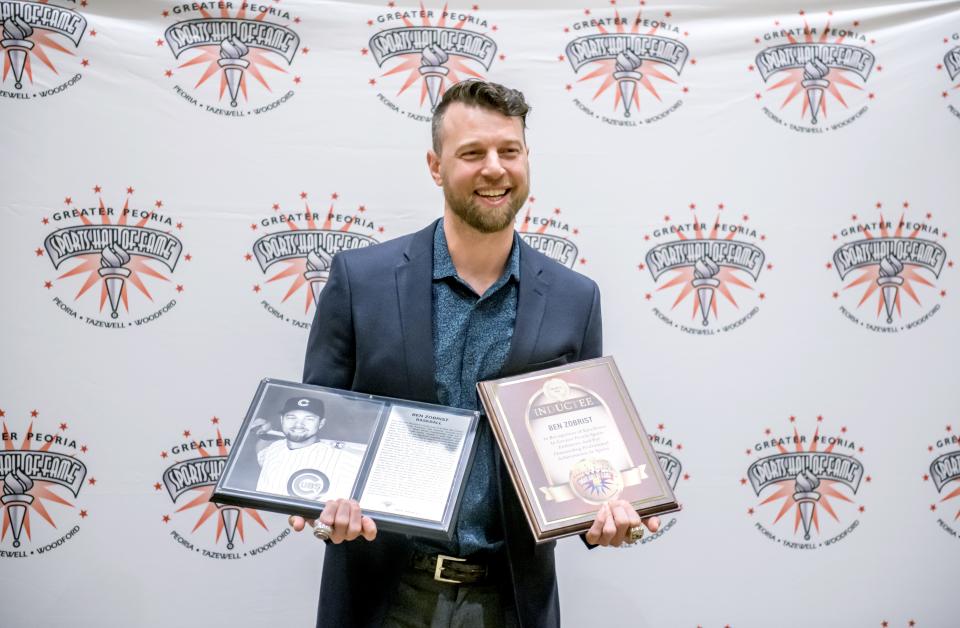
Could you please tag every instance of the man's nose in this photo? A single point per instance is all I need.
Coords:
(492, 167)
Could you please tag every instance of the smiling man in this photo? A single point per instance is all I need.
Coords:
(302, 464)
(425, 317)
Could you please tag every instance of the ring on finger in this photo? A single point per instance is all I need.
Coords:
(634, 534)
(322, 531)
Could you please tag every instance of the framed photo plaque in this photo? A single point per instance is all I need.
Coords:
(572, 440)
(300, 446)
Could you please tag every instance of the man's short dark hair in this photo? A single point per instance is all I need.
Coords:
(483, 94)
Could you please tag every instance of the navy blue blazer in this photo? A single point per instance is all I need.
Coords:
(372, 333)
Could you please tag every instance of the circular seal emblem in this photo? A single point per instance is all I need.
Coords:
(308, 484)
(595, 480)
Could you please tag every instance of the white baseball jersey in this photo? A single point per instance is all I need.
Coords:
(322, 471)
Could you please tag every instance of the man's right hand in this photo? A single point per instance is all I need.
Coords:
(344, 516)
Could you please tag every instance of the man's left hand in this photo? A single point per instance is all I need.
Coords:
(613, 523)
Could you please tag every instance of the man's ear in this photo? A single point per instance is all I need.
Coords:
(433, 164)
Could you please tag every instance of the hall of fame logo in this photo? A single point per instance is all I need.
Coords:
(944, 476)
(630, 64)
(42, 475)
(38, 44)
(708, 264)
(810, 483)
(668, 455)
(810, 69)
(242, 46)
(552, 235)
(888, 269)
(118, 259)
(951, 65)
(425, 51)
(193, 468)
(295, 255)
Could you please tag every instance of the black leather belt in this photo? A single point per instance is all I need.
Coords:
(451, 569)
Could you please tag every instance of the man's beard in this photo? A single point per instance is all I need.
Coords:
(487, 220)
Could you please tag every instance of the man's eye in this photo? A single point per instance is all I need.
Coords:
(510, 152)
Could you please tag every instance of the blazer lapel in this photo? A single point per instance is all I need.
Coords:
(415, 294)
(531, 300)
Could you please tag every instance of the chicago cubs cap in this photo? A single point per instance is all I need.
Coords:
(314, 406)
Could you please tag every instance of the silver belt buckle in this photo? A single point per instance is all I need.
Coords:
(439, 569)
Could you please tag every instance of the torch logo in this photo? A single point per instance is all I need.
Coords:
(40, 472)
(709, 265)
(888, 269)
(814, 479)
(428, 49)
(630, 65)
(944, 476)
(668, 452)
(35, 36)
(951, 64)
(809, 70)
(551, 235)
(295, 256)
(188, 482)
(246, 52)
(129, 253)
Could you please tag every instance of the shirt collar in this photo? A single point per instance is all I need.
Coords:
(443, 264)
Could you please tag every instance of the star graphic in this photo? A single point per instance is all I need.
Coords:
(92, 481)
(158, 204)
(159, 42)
(63, 426)
(179, 288)
(84, 63)
(256, 288)
(187, 257)
(248, 257)
(83, 514)
(34, 413)
(215, 420)
(83, 449)
(166, 518)
(39, 252)
(186, 433)
(168, 73)
(157, 486)
(163, 454)
(47, 284)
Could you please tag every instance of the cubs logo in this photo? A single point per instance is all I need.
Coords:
(242, 51)
(309, 483)
(295, 256)
(944, 475)
(552, 235)
(713, 265)
(42, 473)
(951, 64)
(123, 257)
(427, 50)
(810, 484)
(668, 455)
(813, 73)
(38, 38)
(188, 482)
(888, 269)
(630, 65)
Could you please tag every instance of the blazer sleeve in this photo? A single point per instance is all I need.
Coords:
(331, 347)
(592, 344)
